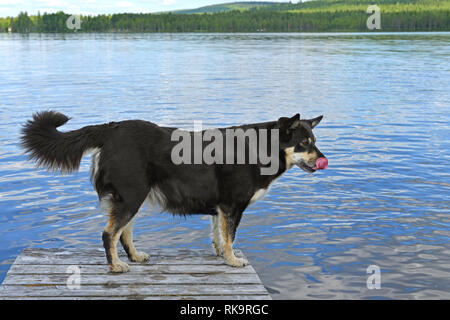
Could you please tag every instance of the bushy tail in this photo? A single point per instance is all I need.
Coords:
(54, 149)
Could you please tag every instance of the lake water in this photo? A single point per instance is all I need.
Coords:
(384, 200)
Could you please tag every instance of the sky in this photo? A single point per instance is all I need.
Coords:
(94, 7)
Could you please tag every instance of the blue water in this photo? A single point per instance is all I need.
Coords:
(384, 200)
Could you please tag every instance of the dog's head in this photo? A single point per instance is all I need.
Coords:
(299, 143)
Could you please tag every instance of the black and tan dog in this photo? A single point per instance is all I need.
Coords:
(132, 163)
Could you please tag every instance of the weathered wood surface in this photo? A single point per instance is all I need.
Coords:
(170, 274)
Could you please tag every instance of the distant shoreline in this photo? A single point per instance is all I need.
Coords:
(311, 16)
(374, 32)
(311, 33)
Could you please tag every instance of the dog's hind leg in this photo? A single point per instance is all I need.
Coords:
(113, 231)
(126, 239)
(121, 213)
(227, 225)
(215, 234)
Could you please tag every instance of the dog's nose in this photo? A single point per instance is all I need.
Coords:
(321, 163)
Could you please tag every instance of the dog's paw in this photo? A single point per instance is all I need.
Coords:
(140, 257)
(237, 262)
(217, 249)
(119, 267)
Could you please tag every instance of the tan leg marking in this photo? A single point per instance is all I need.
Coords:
(227, 243)
(215, 235)
(127, 239)
(116, 264)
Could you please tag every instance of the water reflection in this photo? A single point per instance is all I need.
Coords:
(384, 199)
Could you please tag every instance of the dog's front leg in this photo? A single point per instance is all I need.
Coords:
(215, 235)
(126, 239)
(227, 225)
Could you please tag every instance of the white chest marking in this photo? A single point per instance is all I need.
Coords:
(259, 194)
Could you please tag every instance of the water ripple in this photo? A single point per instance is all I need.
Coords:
(384, 199)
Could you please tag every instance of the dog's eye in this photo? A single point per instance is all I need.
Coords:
(305, 142)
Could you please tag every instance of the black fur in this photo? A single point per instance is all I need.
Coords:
(134, 163)
(54, 149)
(106, 238)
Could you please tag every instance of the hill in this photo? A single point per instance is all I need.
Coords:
(224, 7)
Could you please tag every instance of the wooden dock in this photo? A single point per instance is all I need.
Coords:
(170, 274)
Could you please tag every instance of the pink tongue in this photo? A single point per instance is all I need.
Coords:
(321, 163)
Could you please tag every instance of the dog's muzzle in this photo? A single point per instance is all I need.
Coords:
(321, 164)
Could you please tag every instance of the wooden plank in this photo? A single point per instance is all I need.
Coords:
(127, 278)
(187, 297)
(135, 268)
(134, 290)
(43, 252)
(63, 257)
(100, 259)
(170, 274)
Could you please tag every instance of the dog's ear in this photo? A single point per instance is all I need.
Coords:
(314, 122)
(286, 125)
(289, 123)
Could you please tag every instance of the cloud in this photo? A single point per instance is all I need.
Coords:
(13, 7)
(168, 2)
(124, 4)
(51, 3)
(9, 2)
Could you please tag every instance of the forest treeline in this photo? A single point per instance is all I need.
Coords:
(312, 16)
